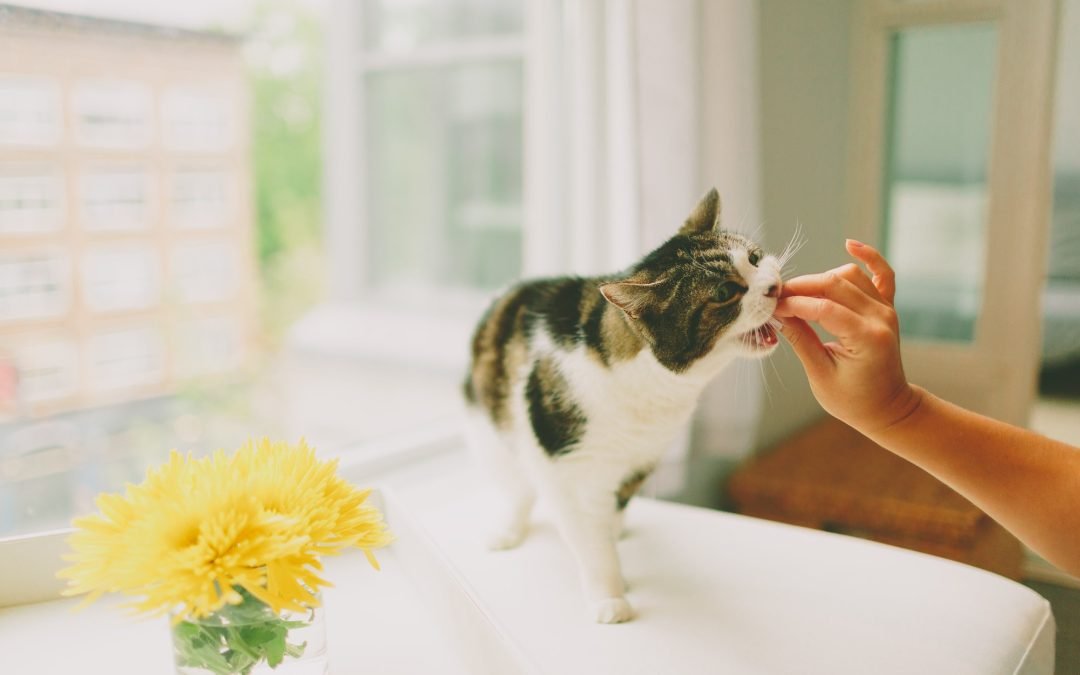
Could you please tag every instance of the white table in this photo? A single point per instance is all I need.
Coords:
(721, 593)
(716, 593)
(376, 623)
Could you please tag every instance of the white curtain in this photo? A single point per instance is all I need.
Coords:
(639, 107)
(612, 144)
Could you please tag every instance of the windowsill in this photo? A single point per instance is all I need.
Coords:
(714, 592)
(354, 374)
(376, 622)
(435, 338)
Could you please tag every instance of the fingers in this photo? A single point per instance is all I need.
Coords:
(834, 317)
(806, 344)
(847, 285)
(884, 279)
(815, 284)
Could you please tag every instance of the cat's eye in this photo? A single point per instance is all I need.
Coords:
(727, 291)
(754, 258)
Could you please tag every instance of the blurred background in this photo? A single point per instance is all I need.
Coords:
(229, 218)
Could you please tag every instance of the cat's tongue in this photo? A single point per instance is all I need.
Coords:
(769, 336)
(763, 336)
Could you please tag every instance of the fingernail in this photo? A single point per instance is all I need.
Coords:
(855, 243)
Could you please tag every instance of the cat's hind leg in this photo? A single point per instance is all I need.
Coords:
(514, 493)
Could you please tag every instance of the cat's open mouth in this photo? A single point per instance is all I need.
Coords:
(764, 336)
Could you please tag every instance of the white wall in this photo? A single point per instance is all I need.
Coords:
(1067, 109)
(774, 98)
(804, 62)
(730, 161)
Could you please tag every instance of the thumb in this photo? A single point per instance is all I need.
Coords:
(806, 344)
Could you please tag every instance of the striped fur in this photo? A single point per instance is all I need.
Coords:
(578, 385)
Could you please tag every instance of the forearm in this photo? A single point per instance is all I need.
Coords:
(1027, 482)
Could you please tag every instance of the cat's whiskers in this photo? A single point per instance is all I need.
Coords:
(764, 380)
(794, 244)
(757, 232)
(776, 371)
(738, 382)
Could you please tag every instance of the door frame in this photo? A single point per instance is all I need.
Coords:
(996, 373)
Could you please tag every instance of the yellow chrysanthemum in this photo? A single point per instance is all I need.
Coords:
(199, 528)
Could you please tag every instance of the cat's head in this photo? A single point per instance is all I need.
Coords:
(702, 291)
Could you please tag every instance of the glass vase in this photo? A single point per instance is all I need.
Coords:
(251, 639)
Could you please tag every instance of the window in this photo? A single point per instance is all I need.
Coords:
(210, 345)
(47, 366)
(196, 119)
(31, 200)
(113, 114)
(115, 199)
(33, 286)
(204, 271)
(442, 91)
(395, 26)
(424, 209)
(124, 359)
(444, 165)
(201, 198)
(128, 297)
(120, 277)
(418, 119)
(29, 111)
(36, 477)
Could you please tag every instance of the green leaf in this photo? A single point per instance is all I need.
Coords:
(295, 624)
(275, 651)
(296, 651)
(258, 635)
(198, 646)
(237, 639)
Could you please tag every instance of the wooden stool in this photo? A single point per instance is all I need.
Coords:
(830, 477)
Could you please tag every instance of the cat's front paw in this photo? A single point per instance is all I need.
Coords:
(613, 610)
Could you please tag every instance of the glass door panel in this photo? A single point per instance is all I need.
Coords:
(940, 99)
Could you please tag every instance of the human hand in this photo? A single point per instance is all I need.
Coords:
(859, 378)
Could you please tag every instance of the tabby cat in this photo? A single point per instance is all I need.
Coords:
(577, 386)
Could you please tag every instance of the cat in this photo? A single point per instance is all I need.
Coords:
(577, 386)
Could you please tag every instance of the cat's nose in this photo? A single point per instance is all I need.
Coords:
(774, 290)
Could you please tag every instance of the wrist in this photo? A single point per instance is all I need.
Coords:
(906, 407)
(895, 413)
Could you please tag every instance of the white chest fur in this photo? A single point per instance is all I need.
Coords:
(634, 408)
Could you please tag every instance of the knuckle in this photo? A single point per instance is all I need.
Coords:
(892, 320)
(881, 334)
(850, 271)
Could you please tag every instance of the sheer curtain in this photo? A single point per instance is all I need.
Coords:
(613, 136)
(637, 107)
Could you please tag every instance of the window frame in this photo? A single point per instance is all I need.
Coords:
(49, 122)
(49, 190)
(346, 224)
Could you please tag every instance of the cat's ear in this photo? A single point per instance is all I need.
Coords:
(705, 217)
(630, 296)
